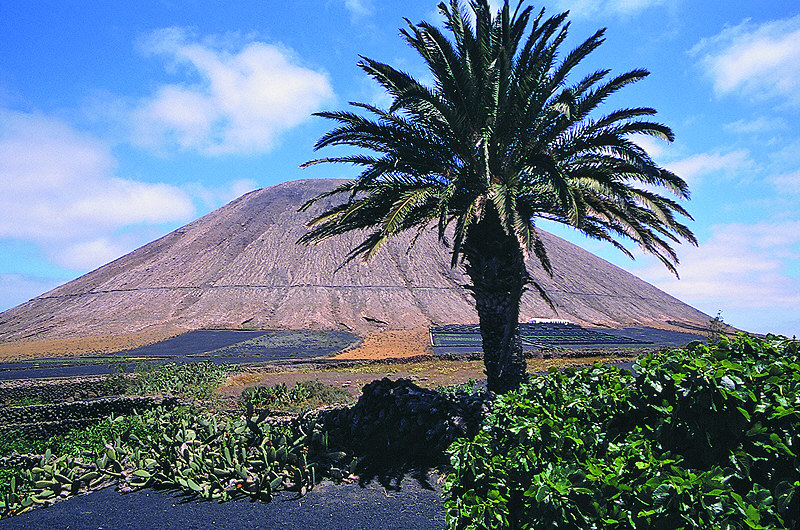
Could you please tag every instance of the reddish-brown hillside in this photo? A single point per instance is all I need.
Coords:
(239, 267)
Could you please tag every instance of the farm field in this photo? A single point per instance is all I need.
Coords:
(267, 347)
(546, 336)
(217, 346)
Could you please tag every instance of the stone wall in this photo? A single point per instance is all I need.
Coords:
(55, 418)
(65, 404)
(60, 390)
(399, 421)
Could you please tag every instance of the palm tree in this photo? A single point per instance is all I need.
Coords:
(500, 139)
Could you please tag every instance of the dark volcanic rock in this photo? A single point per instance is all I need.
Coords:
(239, 268)
(397, 420)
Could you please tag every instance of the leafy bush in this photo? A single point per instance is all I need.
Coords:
(303, 396)
(703, 437)
(74, 442)
(470, 386)
(61, 467)
(195, 380)
(182, 448)
(15, 441)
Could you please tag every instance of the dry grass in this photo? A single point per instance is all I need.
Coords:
(380, 345)
(428, 373)
(74, 346)
(236, 383)
(395, 344)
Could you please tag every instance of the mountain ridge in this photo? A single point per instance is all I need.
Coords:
(239, 267)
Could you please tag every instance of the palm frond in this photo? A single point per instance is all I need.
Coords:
(500, 131)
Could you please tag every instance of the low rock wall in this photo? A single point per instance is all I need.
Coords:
(396, 420)
(55, 418)
(60, 390)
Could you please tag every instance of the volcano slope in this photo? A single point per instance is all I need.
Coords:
(240, 268)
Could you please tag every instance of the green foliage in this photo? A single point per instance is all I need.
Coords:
(118, 382)
(94, 437)
(194, 380)
(303, 396)
(705, 437)
(61, 467)
(15, 441)
(226, 459)
(74, 442)
(26, 401)
(182, 448)
(467, 387)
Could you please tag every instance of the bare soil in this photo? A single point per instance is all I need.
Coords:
(390, 345)
(427, 373)
(76, 346)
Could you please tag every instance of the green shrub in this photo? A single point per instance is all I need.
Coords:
(15, 441)
(470, 386)
(74, 442)
(705, 437)
(94, 437)
(303, 396)
(63, 465)
(184, 448)
(194, 380)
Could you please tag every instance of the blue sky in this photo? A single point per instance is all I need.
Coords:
(121, 121)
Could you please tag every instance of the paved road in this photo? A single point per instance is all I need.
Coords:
(327, 506)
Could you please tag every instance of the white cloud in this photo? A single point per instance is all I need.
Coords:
(39, 154)
(691, 169)
(758, 61)
(758, 125)
(58, 190)
(359, 8)
(787, 183)
(786, 154)
(87, 255)
(743, 268)
(122, 202)
(214, 197)
(592, 8)
(242, 102)
(655, 147)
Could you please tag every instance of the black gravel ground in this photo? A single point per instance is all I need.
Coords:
(217, 346)
(649, 337)
(194, 342)
(234, 347)
(658, 337)
(415, 505)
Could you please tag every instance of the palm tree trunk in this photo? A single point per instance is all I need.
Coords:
(496, 266)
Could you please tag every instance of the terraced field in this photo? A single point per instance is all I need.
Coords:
(217, 346)
(258, 347)
(535, 336)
